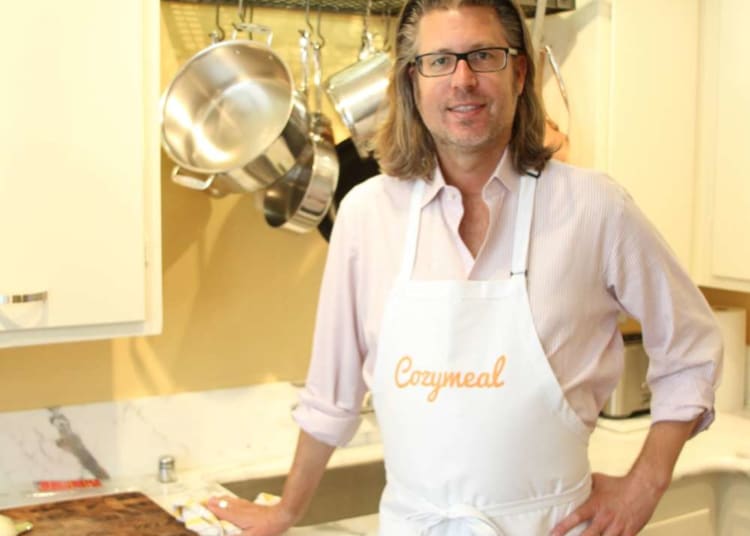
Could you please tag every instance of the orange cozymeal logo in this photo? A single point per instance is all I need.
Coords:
(407, 376)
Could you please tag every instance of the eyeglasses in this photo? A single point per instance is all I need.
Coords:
(481, 60)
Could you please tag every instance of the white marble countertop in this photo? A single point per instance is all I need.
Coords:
(725, 447)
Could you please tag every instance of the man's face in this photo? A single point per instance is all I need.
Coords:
(467, 111)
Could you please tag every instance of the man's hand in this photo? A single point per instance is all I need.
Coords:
(253, 519)
(310, 461)
(617, 506)
(621, 506)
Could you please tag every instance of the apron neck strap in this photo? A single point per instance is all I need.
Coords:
(412, 233)
(522, 232)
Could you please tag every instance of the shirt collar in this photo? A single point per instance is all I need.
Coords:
(504, 176)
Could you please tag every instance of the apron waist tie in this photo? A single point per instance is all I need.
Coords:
(430, 516)
(433, 516)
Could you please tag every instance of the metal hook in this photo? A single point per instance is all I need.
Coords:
(310, 30)
(241, 11)
(368, 10)
(320, 41)
(387, 23)
(367, 48)
(218, 33)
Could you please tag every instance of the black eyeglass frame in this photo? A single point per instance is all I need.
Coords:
(509, 51)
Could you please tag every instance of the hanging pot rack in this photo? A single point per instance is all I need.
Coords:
(379, 7)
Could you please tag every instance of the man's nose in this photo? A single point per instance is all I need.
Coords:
(464, 76)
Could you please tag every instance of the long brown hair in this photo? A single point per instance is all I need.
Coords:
(403, 145)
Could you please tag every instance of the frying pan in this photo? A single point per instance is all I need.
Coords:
(353, 169)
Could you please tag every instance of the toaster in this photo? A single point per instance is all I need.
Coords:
(631, 395)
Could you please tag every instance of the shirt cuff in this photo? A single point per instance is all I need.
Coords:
(683, 400)
(684, 415)
(329, 424)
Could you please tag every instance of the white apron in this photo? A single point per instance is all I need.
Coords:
(478, 436)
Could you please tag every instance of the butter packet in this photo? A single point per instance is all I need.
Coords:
(267, 499)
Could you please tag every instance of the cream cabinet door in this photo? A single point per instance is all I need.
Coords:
(698, 523)
(79, 170)
(631, 74)
(722, 255)
(652, 125)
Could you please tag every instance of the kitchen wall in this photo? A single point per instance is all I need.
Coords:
(239, 297)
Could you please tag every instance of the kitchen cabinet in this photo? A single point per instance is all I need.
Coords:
(686, 509)
(722, 253)
(652, 111)
(734, 504)
(631, 74)
(712, 503)
(697, 523)
(79, 171)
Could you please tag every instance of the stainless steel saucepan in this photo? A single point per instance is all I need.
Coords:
(357, 94)
(232, 111)
(358, 91)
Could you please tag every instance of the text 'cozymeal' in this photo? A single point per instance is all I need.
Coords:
(406, 376)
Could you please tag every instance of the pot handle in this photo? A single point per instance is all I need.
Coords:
(304, 51)
(558, 77)
(194, 182)
(250, 28)
(367, 49)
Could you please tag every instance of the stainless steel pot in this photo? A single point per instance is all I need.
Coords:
(300, 200)
(232, 110)
(357, 93)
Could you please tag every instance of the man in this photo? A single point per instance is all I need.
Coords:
(475, 288)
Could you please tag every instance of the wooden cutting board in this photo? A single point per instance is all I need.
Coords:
(126, 514)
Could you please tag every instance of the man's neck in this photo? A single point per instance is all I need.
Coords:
(468, 171)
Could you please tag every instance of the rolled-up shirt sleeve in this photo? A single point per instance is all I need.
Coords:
(680, 333)
(329, 404)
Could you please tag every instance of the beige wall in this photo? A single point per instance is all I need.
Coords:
(239, 296)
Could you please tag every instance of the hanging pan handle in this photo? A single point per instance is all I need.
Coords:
(194, 182)
(558, 76)
(249, 27)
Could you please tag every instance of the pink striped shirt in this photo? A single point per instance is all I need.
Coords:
(592, 255)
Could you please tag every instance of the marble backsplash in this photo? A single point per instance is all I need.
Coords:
(126, 438)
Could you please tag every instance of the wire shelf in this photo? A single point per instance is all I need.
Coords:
(378, 7)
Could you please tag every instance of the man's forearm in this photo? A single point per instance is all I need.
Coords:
(656, 461)
(310, 460)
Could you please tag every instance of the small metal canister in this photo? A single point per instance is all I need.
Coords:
(166, 472)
